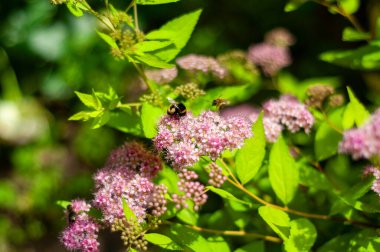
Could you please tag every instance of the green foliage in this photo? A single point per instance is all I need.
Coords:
(177, 31)
(153, 2)
(292, 5)
(349, 6)
(250, 157)
(350, 34)
(188, 238)
(355, 112)
(129, 215)
(162, 241)
(283, 172)
(226, 195)
(149, 118)
(363, 58)
(302, 236)
(278, 220)
(328, 136)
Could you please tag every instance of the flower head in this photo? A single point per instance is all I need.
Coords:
(162, 76)
(186, 139)
(205, 64)
(372, 170)
(280, 37)
(363, 142)
(81, 235)
(269, 57)
(289, 112)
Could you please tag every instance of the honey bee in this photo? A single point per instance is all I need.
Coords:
(176, 108)
(219, 103)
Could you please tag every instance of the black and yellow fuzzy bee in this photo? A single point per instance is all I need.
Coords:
(176, 108)
(71, 215)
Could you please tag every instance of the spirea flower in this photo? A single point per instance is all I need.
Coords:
(128, 175)
(133, 156)
(78, 206)
(205, 64)
(289, 112)
(280, 37)
(81, 234)
(139, 193)
(269, 57)
(372, 170)
(363, 142)
(186, 139)
(191, 190)
(217, 178)
(162, 76)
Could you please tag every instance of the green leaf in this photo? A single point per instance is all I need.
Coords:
(293, 5)
(350, 196)
(256, 246)
(73, 8)
(126, 121)
(218, 243)
(128, 213)
(327, 138)
(63, 203)
(149, 46)
(150, 116)
(162, 241)
(311, 177)
(188, 216)
(89, 101)
(355, 112)
(302, 236)
(349, 6)
(151, 60)
(108, 39)
(366, 57)
(250, 157)
(189, 238)
(351, 34)
(226, 195)
(153, 2)
(278, 220)
(283, 173)
(366, 240)
(101, 120)
(180, 29)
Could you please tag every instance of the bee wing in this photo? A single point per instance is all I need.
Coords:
(172, 101)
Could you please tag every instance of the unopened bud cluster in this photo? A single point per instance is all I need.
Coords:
(217, 178)
(191, 190)
(189, 91)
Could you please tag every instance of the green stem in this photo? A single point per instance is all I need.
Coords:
(300, 213)
(241, 233)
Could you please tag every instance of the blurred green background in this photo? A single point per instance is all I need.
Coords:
(46, 54)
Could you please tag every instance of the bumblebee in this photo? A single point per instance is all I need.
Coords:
(176, 108)
(219, 103)
(71, 216)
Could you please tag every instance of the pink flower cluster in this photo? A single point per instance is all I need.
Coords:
(286, 112)
(192, 190)
(363, 142)
(269, 57)
(372, 170)
(162, 76)
(82, 232)
(128, 175)
(289, 112)
(184, 140)
(205, 64)
(273, 54)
